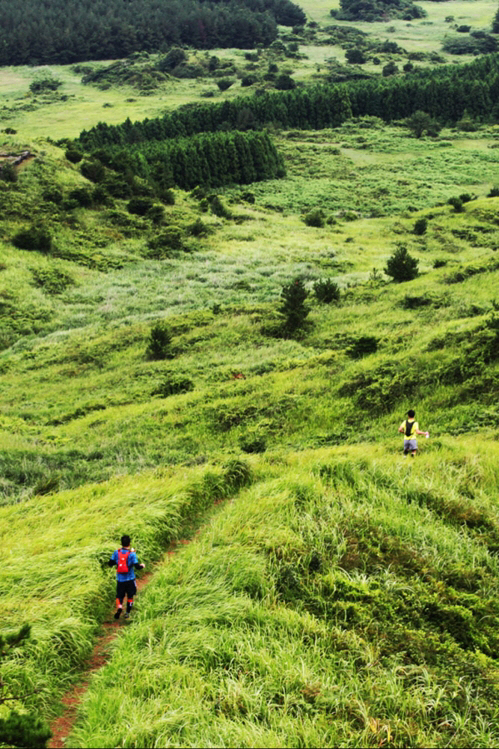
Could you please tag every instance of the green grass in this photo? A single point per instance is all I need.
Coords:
(348, 596)
(317, 609)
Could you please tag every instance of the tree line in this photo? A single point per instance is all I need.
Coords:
(209, 159)
(445, 93)
(67, 31)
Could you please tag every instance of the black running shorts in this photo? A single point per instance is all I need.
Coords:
(126, 588)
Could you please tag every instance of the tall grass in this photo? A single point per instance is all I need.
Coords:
(55, 573)
(315, 611)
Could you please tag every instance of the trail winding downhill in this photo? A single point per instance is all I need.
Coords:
(62, 725)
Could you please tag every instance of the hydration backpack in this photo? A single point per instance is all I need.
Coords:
(123, 562)
(408, 427)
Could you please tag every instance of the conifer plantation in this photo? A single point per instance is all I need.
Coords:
(239, 242)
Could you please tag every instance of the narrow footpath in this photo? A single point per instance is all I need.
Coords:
(61, 727)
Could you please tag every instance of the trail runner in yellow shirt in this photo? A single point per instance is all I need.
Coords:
(410, 428)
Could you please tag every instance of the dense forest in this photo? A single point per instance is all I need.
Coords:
(66, 31)
(445, 93)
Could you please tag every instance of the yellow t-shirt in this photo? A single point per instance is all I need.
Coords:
(415, 426)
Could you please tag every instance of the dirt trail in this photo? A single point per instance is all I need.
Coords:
(61, 726)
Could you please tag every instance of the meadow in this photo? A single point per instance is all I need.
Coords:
(341, 594)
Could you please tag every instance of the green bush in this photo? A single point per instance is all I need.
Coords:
(156, 214)
(159, 344)
(169, 240)
(139, 206)
(43, 84)
(420, 226)
(327, 291)
(363, 346)
(36, 237)
(82, 196)
(219, 208)
(74, 155)
(52, 280)
(224, 83)
(8, 172)
(93, 170)
(173, 385)
(457, 204)
(401, 266)
(315, 217)
(293, 307)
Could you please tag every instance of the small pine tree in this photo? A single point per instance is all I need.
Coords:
(327, 291)
(401, 266)
(420, 226)
(159, 345)
(293, 306)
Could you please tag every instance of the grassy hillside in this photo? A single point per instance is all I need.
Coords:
(344, 595)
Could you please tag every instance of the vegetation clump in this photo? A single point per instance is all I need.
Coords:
(159, 344)
(401, 266)
(35, 237)
(327, 291)
(293, 307)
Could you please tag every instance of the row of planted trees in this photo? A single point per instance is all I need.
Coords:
(444, 93)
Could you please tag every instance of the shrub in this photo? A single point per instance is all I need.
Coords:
(421, 122)
(315, 217)
(457, 204)
(44, 83)
(224, 83)
(408, 67)
(420, 226)
(284, 82)
(100, 196)
(35, 238)
(355, 56)
(156, 214)
(175, 56)
(466, 124)
(82, 196)
(363, 346)
(253, 443)
(53, 194)
(327, 291)
(248, 80)
(139, 206)
(293, 307)
(159, 344)
(52, 280)
(19, 728)
(198, 229)
(173, 385)
(219, 208)
(161, 245)
(401, 266)
(494, 192)
(73, 155)
(8, 172)
(389, 69)
(439, 263)
(463, 29)
(166, 195)
(93, 170)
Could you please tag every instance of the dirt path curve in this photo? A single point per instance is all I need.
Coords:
(61, 726)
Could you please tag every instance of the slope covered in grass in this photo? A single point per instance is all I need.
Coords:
(345, 599)
(349, 595)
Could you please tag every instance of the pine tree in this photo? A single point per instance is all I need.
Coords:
(293, 307)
